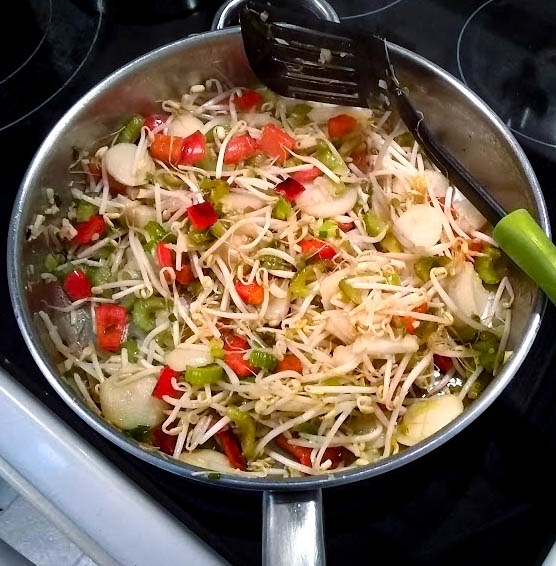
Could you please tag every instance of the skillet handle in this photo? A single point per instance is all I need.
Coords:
(293, 528)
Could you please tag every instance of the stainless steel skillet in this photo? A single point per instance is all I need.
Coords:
(293, 531)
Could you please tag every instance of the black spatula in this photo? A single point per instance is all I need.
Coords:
(311, 59)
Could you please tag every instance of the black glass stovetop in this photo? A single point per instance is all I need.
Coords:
(487, 496)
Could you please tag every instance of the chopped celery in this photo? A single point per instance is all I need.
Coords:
(206, 375)
(131, 130)
(103, 253)
(328, 229)
(132, 350)
(216, 349)
(298, 114)
(298, 285)
(218, 229)
(350, 293)
(336, 189)
(99, 275)
(156, 231)
(308, 428)
(198, 237)
(390, 243)
(143, 313)
(392, 278)
(487, 347)
(149, 246)
(263, 360)
(138, 433)
(246, 426)
(485, 265)
(328, 158)
(214, 189)
(272, 262)
(256, 160)
(423, 265)
(165, 340)
(52, 261)
(282, 209)
(374, 225)
(85, 210)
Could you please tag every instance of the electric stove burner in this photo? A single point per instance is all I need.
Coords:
(362, 8)
(506, 54)
(55, 40)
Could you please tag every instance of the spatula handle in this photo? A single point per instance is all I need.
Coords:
(524, 241)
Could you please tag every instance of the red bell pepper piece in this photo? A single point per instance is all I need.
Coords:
(167, 148)
(164, 442)
(163, 255)
(240, 148)
(234, 348)
(275, 142)
(185, 275)
(290, 188)
(443, 363)
(248, 100)
(290, 363)
(251, 293)
(111, 324)
(314, 247)
(154, 120)
(86, 231)
(232, 448)
(341, 125)
(76, 285)
(360, 160)
(346, 226)
(193, 149)
(303, 454)
(476, 245)
(202, 215)
(306, 176)
(410, 322)
(164, 384)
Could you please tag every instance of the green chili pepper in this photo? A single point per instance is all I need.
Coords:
(298, 114)
(195, 287)
(291, 162)
(272, 262)
(138, 433)
(390, 243)
(149, 246)
(198, 237)
(282, 209)
(256, 160)
(210, 134)
(327, 157)
(464, 333)
(218, 229)
(485, 266)
(268, 95)
(246, 426)
(170, 180)
(143, 313)
(425, 329)
(206, 375)
(374, 225)
(477, 388)
(349, 143)
(103, 253)
(392, 278)
(132, 350)
(85, 210)
(331, 381)
(263, 360)
(216, 349)
(349, 293)
(132, 129)
(487, 347)
(298, 284)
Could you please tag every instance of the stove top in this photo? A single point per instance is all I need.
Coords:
(486, 495)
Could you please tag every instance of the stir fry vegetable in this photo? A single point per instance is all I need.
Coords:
(274, 287)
